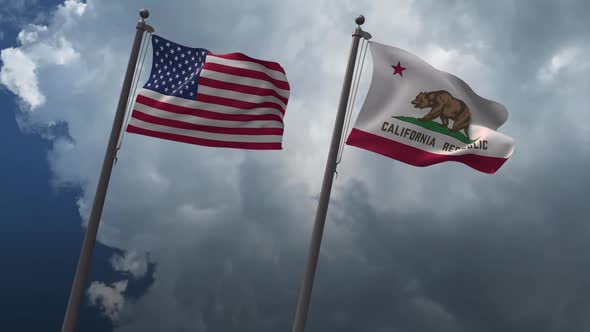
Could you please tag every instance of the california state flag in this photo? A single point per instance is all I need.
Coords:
(422, 116)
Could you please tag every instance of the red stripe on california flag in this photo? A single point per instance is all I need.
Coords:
(242, 57)
(245, 73)
(210, 129)
(416, 157)
(205, 113)
(205, 142)
(241, 88)
(238, 103)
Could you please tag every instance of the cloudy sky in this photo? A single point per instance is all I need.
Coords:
(202, 239)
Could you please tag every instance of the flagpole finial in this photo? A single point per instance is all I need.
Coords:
(360, 20)
(144, 13)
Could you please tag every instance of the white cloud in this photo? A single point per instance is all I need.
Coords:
(18, 75)
(109, 299)
(39, 48)
(30, 34)
(131, 262)
(562, 59)
(71, 8)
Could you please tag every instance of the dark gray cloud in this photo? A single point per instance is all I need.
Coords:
(512, 261)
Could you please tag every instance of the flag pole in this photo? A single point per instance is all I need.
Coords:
(320, 218)
(83, 267)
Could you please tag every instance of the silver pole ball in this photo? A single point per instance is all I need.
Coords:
(144, 13)
(360, 20)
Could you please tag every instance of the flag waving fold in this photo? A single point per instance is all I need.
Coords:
(421, 116)
(220, 100)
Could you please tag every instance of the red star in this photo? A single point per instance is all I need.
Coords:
(398, 69)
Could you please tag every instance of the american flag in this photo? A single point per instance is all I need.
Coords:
(219, 100)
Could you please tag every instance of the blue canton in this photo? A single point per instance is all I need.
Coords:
(175, 68)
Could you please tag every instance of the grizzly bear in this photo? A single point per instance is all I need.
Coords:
(445, 106)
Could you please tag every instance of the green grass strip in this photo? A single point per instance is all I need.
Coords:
(437, 127)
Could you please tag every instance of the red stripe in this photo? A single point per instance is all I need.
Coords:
(209, 129)
(416, 157)
(205, 142)
(241, 88)
(243, 57)
(204, 113)
(245, 73)
(238, 103)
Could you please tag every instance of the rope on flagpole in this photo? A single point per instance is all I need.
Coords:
(356, 81)
(136, 77)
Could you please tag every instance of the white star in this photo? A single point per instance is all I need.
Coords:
(171, 51)
(161, 48)
(192, 94)
(170, 79)
(186, 87)
(161, 76)
(193, 82)
(178, 48)
(185, 62)
(163, 82)
(162, 60)
(166, 55)
(192, 58)
(188, 52)
(167, 44)
(149, 84)
(156, 40)
(157, 53)
(174, 69)
(167, 73)
(165, 67)
(177, 75)
(183, 72)
(174, 87)
(179, 82)
(157, 86)
(179, 65)
(176, 58)
(166, 89)
(154, 76)
(182, 55)
(170, 62)
(156, 65)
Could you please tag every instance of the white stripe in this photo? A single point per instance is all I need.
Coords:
(206, 135)
(244, 81)
(277, 75)
(498, 144)
(193, 104)
(204, 121)
(256, 99)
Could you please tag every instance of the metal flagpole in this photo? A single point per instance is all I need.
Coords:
(83, 267)
(320, 218)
